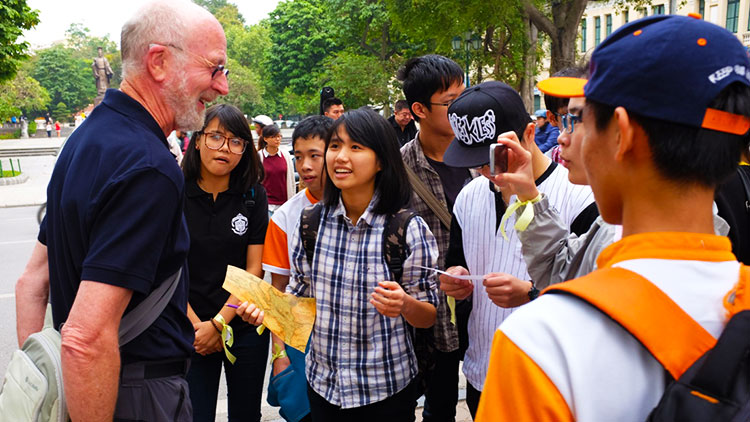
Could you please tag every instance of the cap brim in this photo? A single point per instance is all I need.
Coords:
(458, 155)
(564, 87)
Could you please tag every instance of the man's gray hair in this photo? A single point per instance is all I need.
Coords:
(159, 22)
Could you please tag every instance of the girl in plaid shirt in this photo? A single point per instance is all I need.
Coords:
(361, 362)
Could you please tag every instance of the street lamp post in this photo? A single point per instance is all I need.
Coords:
(468, 42)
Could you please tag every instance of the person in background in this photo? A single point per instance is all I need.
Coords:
(48, 128)
(557, 107)
(226, 213)
(260, 121)
(333, 108)
(174, 146)
(546, 133)
(279, 170)
(115, 229)
(57, 128)
(403, 122)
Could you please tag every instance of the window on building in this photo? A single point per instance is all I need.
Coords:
(733, 13)
(627, 16)
(702, 7)
(609, 24)
(643, 11)
(597, 30)
(583, 35)
(657, 9)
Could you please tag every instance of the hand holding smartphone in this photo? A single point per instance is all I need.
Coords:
(498, 159)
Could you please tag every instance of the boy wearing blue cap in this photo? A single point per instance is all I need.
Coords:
(661, 133)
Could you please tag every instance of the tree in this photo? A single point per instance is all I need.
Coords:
(15, 16)
(301, 36)
(560, 20)
(359, 80)
(22, 95)
(500, 25)
(61, 112)
(67, 79)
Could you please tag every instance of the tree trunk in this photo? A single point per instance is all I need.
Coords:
(527, 81)
(562, 29)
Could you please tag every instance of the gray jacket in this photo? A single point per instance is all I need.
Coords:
(549, 248)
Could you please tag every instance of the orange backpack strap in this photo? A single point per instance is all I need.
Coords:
(659, 324)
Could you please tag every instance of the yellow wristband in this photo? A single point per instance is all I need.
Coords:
(526, 216)
(227, 337)
(279, 353)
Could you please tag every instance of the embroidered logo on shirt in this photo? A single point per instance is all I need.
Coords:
(239, 224)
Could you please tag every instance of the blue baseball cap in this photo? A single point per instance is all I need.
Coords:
(541, 113)
(670, 68)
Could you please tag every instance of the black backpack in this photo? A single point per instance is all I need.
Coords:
(715, 387)
(395, 252)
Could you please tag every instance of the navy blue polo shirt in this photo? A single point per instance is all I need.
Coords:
(115, 216)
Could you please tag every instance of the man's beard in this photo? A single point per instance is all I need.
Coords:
(186, 115)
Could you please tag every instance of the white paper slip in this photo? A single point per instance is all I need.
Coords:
(460, 277)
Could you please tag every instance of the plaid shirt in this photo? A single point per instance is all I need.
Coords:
(446, 334)
(358, 356)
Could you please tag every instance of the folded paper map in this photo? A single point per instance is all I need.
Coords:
(288, 316)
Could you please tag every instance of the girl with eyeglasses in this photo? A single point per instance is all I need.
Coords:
(226, 213)
(279, 170)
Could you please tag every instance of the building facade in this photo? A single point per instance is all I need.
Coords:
(603, 17)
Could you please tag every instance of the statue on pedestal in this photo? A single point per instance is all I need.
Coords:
(102, 72)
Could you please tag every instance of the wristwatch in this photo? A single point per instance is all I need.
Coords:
(533, 292)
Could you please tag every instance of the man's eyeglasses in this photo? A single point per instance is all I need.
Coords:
(569, 121)
(215, 141)
(217, 68)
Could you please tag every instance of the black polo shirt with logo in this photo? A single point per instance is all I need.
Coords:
(220, 233)
(114, 216)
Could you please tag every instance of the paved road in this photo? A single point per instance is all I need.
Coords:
(18, 230)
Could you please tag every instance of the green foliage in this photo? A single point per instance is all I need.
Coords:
(67, 79)
(32, 126)
(15, 16)
(360, 80)
(22, 95)
(301, 36)
(61, 112)
(245, 89)
(499, 23)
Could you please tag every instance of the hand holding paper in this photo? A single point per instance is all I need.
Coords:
(288, 316)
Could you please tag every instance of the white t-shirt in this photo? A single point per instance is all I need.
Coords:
(486, 251)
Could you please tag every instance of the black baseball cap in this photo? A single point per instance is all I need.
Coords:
(478, 116)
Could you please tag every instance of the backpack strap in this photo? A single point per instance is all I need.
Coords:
(660, 325)
(395, 248)
(746, 184)
(249, 198)
(308, 229)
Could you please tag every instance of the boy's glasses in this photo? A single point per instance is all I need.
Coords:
(215, 141)
(569, 121)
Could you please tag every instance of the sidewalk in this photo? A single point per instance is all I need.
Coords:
(38, 168)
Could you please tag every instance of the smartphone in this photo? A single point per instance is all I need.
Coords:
(498, 159)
